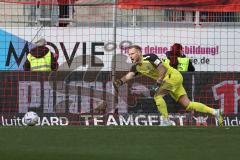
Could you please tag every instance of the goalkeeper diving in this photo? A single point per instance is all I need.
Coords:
(169, 81)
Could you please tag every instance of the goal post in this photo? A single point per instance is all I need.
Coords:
(91, 39)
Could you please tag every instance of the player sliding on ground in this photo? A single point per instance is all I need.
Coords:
(169, 81)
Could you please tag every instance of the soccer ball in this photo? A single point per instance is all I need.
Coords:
(31, 118)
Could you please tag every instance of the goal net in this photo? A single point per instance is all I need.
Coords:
(90, 39)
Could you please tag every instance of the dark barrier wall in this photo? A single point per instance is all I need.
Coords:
(91, 92)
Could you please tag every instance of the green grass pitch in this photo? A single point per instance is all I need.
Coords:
(119, 143)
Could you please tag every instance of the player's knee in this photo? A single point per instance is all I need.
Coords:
(184, 101)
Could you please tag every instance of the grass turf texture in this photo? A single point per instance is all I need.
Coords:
(119, 143)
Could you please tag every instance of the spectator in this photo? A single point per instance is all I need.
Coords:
(41, 58)
(178, 60)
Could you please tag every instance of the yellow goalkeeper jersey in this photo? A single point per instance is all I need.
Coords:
(148, 66)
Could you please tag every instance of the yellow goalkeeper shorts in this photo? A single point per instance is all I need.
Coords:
(173, 82)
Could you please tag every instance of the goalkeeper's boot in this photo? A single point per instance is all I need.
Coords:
(219, 116)
(166, 122)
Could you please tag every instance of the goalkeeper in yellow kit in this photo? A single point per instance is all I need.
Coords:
(169, 80)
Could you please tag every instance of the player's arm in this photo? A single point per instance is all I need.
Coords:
(158, 64)
(124, 79)
(130, 75)
(162, 71)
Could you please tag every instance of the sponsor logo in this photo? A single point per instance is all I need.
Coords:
(231, 121)
(129, 120)
(49, 121)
